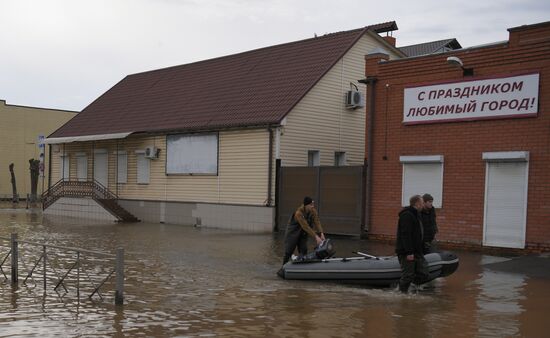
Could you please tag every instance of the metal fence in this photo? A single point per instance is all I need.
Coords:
(63, 270)
(337, 191)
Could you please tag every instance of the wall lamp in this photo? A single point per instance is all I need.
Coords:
(456, 62)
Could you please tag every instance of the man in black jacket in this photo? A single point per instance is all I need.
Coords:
(428, 221)
(409, 245)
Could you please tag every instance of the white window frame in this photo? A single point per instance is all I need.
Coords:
(506, 156)
(340, 158)
(315, 160)
(194, 163)
(142, 177)
(122, 166)
(431, 159)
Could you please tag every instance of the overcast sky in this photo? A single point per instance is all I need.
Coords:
(65, 53)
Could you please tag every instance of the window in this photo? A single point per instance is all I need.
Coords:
(122, 163)
(192, 154)
(64, 169)
(142, 168)
(339, 158)
(313, 158)
(422, 174)
(81, 166)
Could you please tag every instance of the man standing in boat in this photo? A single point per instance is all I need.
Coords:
(409, 245)
(429, 223)
(304, 222)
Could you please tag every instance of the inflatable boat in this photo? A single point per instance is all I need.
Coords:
(365, 269)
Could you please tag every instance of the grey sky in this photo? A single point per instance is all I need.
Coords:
(65, 53)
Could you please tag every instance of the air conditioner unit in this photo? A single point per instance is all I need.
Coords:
(354, 99)
(152, 152)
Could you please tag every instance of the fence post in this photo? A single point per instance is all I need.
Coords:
(14, 260)
(78, 276)
(44, 266)
(119, 293)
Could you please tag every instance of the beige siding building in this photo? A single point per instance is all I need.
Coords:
(217, 127)
(20, 128)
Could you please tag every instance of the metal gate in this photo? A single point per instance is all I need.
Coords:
(337, 192)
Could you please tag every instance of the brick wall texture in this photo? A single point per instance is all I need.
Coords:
(462, 143)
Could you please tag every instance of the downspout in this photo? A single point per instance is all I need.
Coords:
(49, 166)
(116, 170)
(270, 170)
(93, 164)
(371, 90)
(277, 176)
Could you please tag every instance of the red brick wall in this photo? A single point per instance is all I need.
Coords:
(462, 143)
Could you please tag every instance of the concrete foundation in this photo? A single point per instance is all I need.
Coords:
(223, 216)
(85, 208)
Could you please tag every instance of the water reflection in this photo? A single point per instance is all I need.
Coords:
(499, 303)
(185, 281)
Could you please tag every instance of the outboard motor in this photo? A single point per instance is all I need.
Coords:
(325, 249)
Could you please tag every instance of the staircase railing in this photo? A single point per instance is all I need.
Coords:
(65, 188)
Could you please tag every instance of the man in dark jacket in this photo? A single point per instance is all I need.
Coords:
(303, 223)
(409, 245)
(428, 221)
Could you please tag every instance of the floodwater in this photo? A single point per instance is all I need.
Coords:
(191, 282)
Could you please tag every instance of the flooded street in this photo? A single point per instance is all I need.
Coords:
(186, 281)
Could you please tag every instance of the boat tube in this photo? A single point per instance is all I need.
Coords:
(366, 269)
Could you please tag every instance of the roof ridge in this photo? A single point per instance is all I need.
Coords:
(327, 35)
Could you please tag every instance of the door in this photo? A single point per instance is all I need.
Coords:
(101, 168)
(81, 167)
(64, 167)
(505, 204)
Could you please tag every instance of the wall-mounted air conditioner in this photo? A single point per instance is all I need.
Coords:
(152, 153)
(354, 99)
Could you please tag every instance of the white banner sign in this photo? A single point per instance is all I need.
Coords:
(514, 96)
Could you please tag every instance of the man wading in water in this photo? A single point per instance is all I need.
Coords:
(302, 223)
(409, 245)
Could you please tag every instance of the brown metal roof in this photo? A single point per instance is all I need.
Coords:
(253, 88)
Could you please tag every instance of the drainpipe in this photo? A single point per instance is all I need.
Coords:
(371, 86)
(277, 176)
(49, 167)
(270, 170)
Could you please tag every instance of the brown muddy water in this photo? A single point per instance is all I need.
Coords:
(190, 282)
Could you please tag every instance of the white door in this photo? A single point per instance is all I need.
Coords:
(81, 168)
(101, 168)
(505, 204)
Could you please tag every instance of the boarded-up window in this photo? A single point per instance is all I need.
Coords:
(142, 168)
(192, 154)
(422, 174)
(122, 163)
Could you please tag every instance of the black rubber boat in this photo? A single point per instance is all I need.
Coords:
(365, 269)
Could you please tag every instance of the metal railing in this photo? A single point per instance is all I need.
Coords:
(65, 188)
(53, 276)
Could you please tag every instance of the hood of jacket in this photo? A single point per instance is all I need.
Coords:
(409, 209)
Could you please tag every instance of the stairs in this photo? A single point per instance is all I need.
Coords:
(87, 189)
(116, 210)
